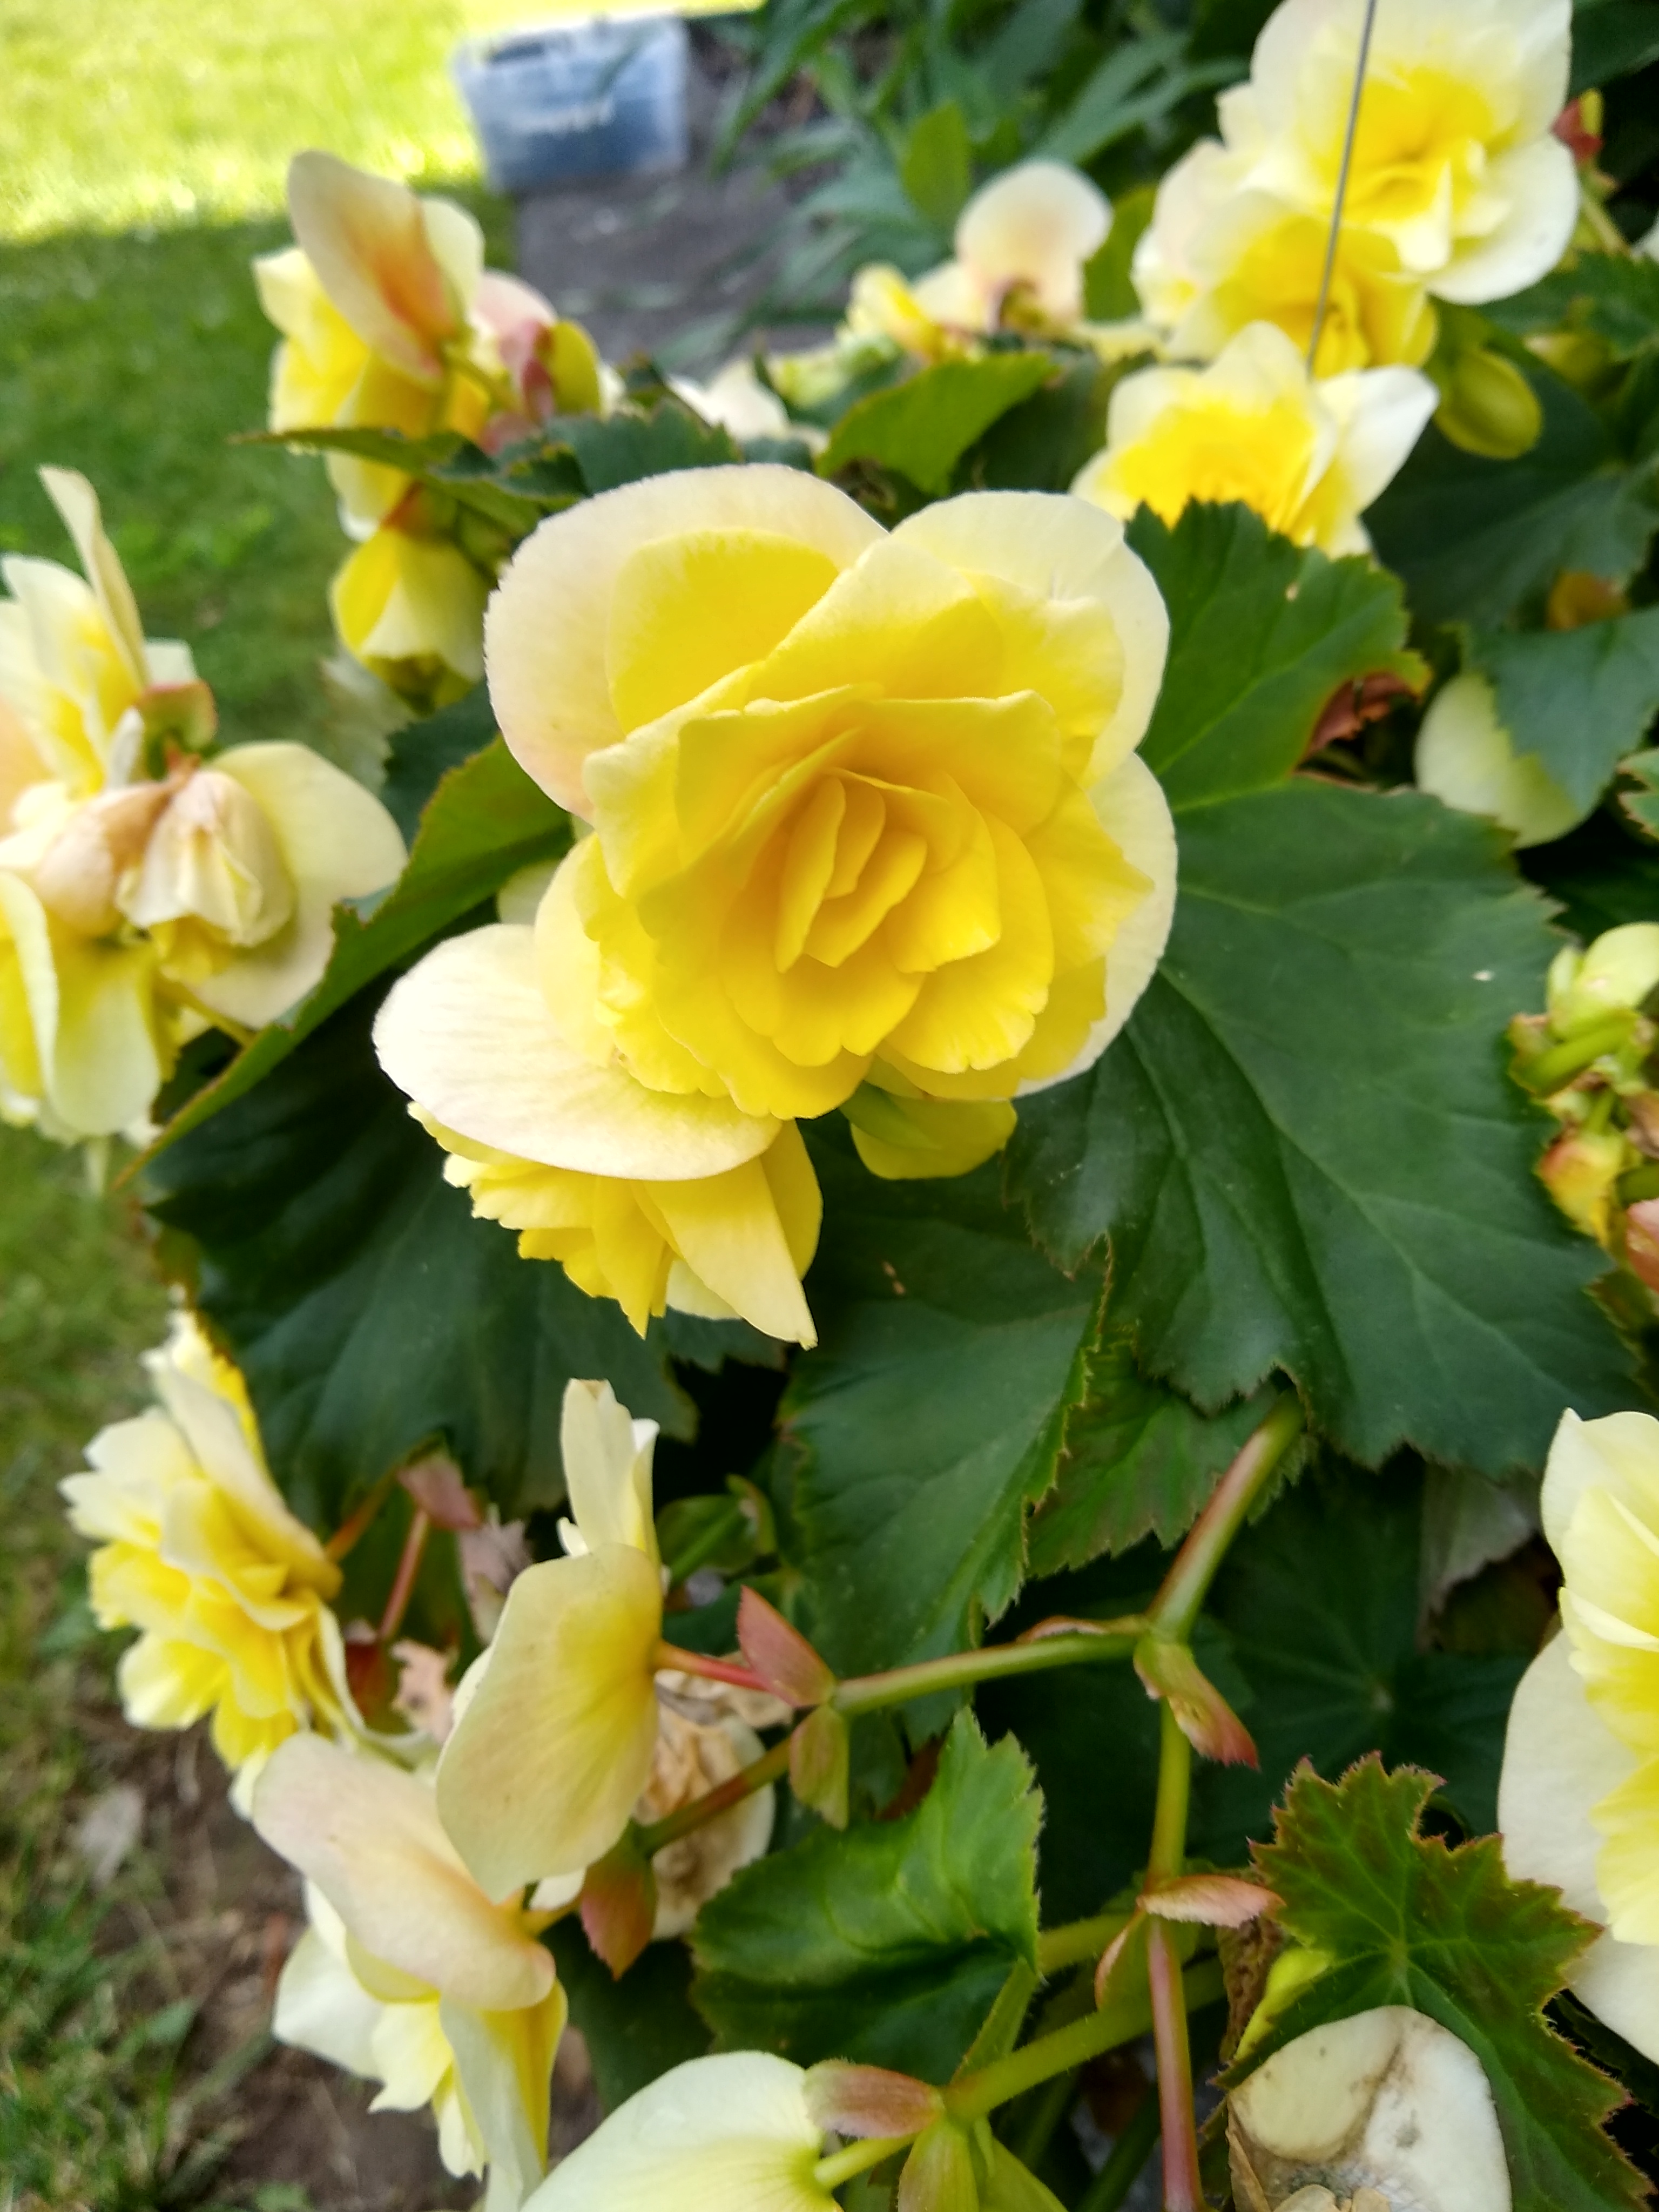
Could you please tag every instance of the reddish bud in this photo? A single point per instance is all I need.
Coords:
(1578, 130)
(820, 1754)
(781, 1654)
(1169, 1670)
(619, 1904)
(868, 2100)
(1214, 1901)
(436, 1484)
(1642, 1241)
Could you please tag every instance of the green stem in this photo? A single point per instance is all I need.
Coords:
(1175, 1608)
(1183, 2190)
(1167, 1857)
(1118, 2021)
(704, 1547)
(959, 1670)
(1047, 2113)
(857, 2158)
(403, 1582)
(1555, 1067)
(744, 1784)
(1076, 1941)
(1129, 2154)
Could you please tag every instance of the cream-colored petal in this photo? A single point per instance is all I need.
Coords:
(322, 2006)
(365, 237)
(1620, 1452)
(607, 1468)
(504, 2064)
(28, 994)
(1037, 223)
(727, 2134)
(547, 625)
(107, 1065)
(1540, 183)
(368, 1835)
(1062, 549)
(468, 1034)
(1467, 758)
(337, 841)
(77, 502)
(1381, 414)
(554, 1743)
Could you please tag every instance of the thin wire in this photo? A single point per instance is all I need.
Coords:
(1324, 299)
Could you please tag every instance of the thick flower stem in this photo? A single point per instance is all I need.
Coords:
(744, 1784)
(1183, 2189)
(961, 1670)
(403, 1582)
(857, 2158)
(711, 1670)
(1070, 1944)
(1174, 1609)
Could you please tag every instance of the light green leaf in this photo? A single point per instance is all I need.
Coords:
(1138, 83)
(1616, 295)
(1578, 699)
(1408, 1922)
(1261, 632)
(1305, 1152)
(931, 1412)
(1109, 292)
(936, 168)
(923, 426)
(886, 1943)
(369, 1312)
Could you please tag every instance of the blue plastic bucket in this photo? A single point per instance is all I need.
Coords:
(582, 99)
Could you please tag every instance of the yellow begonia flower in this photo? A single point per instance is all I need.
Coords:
(409, 605)
(1467, 759)
(197, 1551)
(853, 793)
(736, 401)
(408, 1974)
(557, 1725)
(1578, 1802)
(1254, 426)
(727, 2134)
(1021, 244)
(650, 1198)
(1457, 188)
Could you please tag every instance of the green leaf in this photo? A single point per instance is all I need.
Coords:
(923, 426)
(636, 2027)
(486, 819)
(1616, 295)
(1409, 1922)
(1138, 83)
(445, 461)
(1321, 1600)
(421, 754)
(1642, 805)
(1474, 539)
(1138, 1459)
(1041, 445)
(1260, 633)
(621, 448)
(369, 1312)
(1612, 41)
(1578, 699)
(931, 1412)
(886, 1943)
(1108, 291)
(936, 168)
(1305, 1150)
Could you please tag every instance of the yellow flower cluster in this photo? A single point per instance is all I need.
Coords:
(391, 322)
(865, 812)
(146, 892)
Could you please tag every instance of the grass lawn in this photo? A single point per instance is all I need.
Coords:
(143, 146)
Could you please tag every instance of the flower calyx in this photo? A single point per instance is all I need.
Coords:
(1201, 1900)
(1168, 1670)
(785, 1662)
(618, 1903)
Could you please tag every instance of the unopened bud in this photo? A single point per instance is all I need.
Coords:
(1582, 359)
(1486, 406)
(213, 859)
(1576, 598)
(1580, 1171)
(900, 1134)
(939, 2174)
(79, 878)
(1615, 975)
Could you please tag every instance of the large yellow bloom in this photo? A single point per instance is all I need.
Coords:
(1578, 1802)
(408, 1973)
(1254, 426)
(197, 1551)
(853, 794)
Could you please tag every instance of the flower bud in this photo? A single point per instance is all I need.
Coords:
(213, 859)
(939, 2174)
(80, 877)
(1616, 975)
(1581, 1171)
(899, 1134)
(1486, 406)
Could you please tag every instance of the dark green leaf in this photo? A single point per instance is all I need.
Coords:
(368, 1310)
(1579, 699)
(485, 820)
(635, 2028)
(1446, 1932)
(1320, 1601)
(1041, 445)
(1138, 1459)
(1261, 635)
(1605, 872)
(1139, 81)
(886, 1943)
(936, 168)
(1616, 295)
(422, 753)
(931, 1412)
(1612, 41)
(923, 426)
(621, 448)
(1304, 1149)
(1474, 539)
(1641, 804)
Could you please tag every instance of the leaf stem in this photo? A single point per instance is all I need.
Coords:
(351, 1529)
(857, 2158)
(1183, 2190)
(871, 1694)
(711, 1670)
(403, 1582)
(744, 1784)
(1175, 1608)
(1075, 1941)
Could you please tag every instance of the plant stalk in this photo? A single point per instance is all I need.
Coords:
(711, 1670)
(857, 2158)
(1070, 1944)
(1183, 2190)
(1175, 1608)
(403, 1582)
(958, 1670)
(756, 1776)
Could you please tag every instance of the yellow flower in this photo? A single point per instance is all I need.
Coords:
(197, 1551)
(1467, 759)
(1021, 244)
(1578, 1802)
(557, 1725)
(408, 605)
(1254, 426)
(853, 794)
(1457, 190)
(727, 2134)
(408, 1973)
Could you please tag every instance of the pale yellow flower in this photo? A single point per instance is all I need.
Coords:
(853, 793)
(1578, 1802)
(555, 1726)
(197, 1551)
(409, 605)
(1309, 457)
(727, 2134)
(408, 1974)
(1021, 243)
(1467, 758)
(735, 400)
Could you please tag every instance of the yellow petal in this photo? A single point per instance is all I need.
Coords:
(729, 1232)
(504, 2070)
(367, 238)
(1036, 224)
(467, 1034)
(401, 602)
(606, 1455)
(106, 1063)
(546, 1761)
(368, 1835)
(77, 502)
